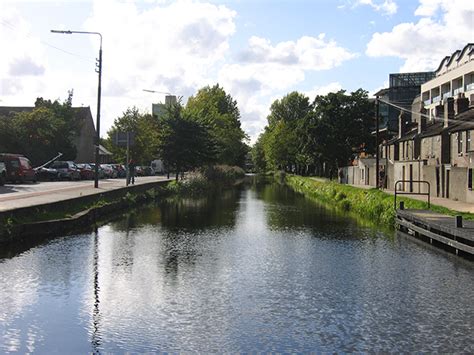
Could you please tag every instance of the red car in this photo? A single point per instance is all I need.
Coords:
(87, 173)
(18, 168)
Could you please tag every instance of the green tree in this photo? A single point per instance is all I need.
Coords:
(342, 126)
(218, 112)
(286, 137)
(43, 132)
(184, 143)
(146, 130)
(258, 155)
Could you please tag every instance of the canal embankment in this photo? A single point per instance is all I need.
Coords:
(50, 213)
(371, 204)
(43, 214)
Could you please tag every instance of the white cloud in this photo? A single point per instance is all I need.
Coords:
(308, 53)
(323, 90)
(423, 44)
(387, 7)
(265, 72)
(165, 46)
(23, 55)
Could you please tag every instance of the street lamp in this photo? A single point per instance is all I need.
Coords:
(98, 71)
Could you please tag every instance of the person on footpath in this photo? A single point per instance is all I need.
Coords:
(131, 167)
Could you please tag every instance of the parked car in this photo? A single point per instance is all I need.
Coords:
(46, 174)
(18, 168)
(3, 173)
(67, 170)
(120, 169)
(86, 171)
(109, 172)
(101, 171)
(148, 171)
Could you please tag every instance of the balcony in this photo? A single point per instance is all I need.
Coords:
(470, 87)
(447, 94)
(458, 91)
(436, 99)
(427, 102)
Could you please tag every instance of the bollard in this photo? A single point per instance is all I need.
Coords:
(458, 220)
(402, 205)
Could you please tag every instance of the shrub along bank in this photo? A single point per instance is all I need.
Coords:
(207, 179)
(373, 204)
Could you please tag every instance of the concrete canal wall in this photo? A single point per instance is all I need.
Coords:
(56, 217)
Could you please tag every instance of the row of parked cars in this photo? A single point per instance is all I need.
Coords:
(17, 168)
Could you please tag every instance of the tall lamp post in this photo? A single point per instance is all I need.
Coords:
(377, 138)
(98, 71)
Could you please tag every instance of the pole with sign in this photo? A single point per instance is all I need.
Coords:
(125, 139)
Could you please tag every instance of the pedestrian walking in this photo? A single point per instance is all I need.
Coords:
(131, 167)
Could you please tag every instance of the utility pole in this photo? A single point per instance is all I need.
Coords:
(377, 158)
(97, 155)
(98, 71)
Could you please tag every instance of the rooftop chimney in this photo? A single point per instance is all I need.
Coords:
(439, 112)
(422, 120)
(461, 104)
(402, 124)
(448, 111)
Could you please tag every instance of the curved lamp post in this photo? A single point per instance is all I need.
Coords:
(98, 71)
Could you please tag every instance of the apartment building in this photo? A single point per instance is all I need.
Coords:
(436, 145)
(454, 77)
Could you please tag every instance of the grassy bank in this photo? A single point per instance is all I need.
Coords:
(373, 204)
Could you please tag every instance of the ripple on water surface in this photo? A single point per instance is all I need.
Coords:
(258, 269)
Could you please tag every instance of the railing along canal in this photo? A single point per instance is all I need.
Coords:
(403, 192)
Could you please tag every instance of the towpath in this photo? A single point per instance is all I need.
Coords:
(28, 195)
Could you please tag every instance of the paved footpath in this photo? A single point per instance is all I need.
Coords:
(27, 195)
(444, 202)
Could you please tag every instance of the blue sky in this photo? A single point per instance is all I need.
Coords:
(257, 50)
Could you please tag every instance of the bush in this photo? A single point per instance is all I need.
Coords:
(222, 173)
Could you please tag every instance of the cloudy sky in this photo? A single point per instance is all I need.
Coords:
(258, 50)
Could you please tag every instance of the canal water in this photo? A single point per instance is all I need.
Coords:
(249, 270)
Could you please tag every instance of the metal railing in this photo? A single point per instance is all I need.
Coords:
(402, 192)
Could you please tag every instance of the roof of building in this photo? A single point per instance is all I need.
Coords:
(409, 135)
(9, 110)
(457, 55)
(103, 150)
(464, 121)
(433, 129)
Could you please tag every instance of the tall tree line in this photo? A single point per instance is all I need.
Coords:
(207, 130)
(318, 137)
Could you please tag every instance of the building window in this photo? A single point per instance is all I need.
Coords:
(459, 142)
(469, 178)
(468, 141)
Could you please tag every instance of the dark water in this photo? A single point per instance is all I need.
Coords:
(256, 269)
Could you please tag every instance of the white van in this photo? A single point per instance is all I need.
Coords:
(158, 167)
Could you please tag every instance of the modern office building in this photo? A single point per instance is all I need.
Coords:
(159, 110)
(402, 90)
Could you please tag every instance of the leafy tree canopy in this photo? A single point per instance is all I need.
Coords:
(184, 142)
(43, 132)
(218, 112)
(146, 130)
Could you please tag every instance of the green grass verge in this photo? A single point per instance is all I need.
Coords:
(373, 204)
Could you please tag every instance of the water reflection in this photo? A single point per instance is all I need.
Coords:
(253, 270)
